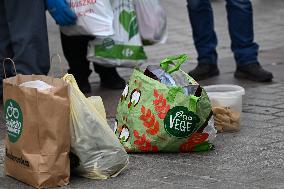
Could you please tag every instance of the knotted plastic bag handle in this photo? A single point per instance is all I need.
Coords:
(172, 64)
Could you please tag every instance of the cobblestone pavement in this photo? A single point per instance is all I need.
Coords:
(251, 158)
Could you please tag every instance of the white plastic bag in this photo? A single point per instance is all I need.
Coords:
(94, 17)
(152, 21)
(125, 48)
(37, 84)
(92, 140)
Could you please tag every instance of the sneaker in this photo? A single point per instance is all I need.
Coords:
(204, 71)
(253, 72)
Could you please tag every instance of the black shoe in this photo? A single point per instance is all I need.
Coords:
(253, 72)
(204, 71)
(113, 81)
(110, 79)
(84, 85)
(82, 80)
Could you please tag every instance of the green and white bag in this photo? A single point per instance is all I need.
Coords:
(154, 117)
(125, 48)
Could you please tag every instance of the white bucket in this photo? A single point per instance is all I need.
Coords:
(227, 101)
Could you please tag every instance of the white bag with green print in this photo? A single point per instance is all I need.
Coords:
(125, 48)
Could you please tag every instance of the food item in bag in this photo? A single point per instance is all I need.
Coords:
(155, 72)
(174, 79)
(226, 120)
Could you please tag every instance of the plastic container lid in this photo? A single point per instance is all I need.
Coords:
(225, 90)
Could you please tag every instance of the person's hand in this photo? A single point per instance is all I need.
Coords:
(61, 12)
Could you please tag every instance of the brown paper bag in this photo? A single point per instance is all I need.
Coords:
(38, 132)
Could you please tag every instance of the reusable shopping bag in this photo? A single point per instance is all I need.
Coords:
(38, 130)
(154, 117)
(94, 17)
(125, 48)
(99, 152)
(152, 21)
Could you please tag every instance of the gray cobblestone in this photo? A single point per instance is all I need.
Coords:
(258, 117)
(248, 124)
(265, 90)
(278, 97)
(279, 120)
(280, 114)
(281, 106)
(261, 110)
(261, 102)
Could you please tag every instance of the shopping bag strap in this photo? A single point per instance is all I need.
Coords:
(172, 64)
(60, 63)
(193, 100)
(3, 64)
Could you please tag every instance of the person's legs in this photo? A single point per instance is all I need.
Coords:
(75, 50)
(205, 39)
(240, 19)
(28, 34)
(109, 77)
(5, 45)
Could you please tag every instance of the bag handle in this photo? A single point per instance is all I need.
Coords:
(180, 59)
(60, 62)
(175, 61)
(3, 64)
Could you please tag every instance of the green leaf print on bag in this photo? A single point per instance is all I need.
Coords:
(129, 23)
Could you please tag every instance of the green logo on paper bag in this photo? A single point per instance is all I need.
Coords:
(180, 122)
(14, 120)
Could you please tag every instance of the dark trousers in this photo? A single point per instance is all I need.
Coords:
(75, 51)
(23, 37)
(240, 20)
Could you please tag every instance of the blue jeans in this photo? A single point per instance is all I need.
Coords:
(23, 37)
(240, 19)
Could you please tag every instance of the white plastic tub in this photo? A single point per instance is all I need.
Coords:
(226, 101)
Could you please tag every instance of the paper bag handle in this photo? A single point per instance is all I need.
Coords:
(3, 64)
(175, 61)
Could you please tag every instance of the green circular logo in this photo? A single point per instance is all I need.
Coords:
(180, 122)
(108, 43)
(14, 120)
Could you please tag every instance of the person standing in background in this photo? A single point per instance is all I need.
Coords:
(240, 20)
(23, 38)
(75, 51)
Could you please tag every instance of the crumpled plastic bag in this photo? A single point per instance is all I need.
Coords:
(94, 18)
(37, 84)
(124, 48)
(152, 21)
(92, 140)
